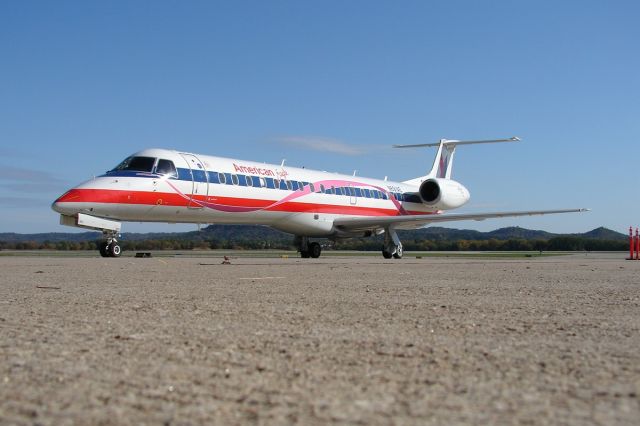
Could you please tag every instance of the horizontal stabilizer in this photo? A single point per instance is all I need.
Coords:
(457, 142)
(443, 163)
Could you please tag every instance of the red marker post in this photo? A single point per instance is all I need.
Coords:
(637, 245)
(630, 243)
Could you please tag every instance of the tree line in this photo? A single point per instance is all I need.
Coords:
(561, 243)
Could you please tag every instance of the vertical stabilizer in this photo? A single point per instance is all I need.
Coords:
(443, 163)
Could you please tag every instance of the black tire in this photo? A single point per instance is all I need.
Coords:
(104, 249)
(304, 254)
(115, 250)
(314, 250)
(386, 254)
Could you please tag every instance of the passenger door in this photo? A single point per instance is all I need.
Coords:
(352, 195)
(199, 180)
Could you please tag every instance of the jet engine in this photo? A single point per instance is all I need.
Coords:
(443, 194)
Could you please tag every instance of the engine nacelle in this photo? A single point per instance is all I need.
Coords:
(443, 194)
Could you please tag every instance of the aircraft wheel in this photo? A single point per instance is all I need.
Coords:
(104, 249)
(398, 253)
(304, 254)
(115, 250)
(314, 250)
(386, 254)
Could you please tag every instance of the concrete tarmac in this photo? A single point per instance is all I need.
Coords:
(335, 340)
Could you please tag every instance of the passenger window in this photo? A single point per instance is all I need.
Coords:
(263, 182)
(166, 167)
(289, 185)
(270, 183)
(338, 191)
(249, 181)
(322, 188)
(222, 178)
(312, 188)
(366, 193)
(199, 175)
(234, 179)
(301, 186)
(137, 164)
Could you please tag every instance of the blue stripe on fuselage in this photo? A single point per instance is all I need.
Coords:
(199, 176)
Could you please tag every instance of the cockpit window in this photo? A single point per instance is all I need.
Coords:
(166, 167)
(138, 164)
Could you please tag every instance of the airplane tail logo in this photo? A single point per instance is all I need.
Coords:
(445, 163)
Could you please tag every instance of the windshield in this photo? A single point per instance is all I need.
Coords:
(138, 164)
(166, 167)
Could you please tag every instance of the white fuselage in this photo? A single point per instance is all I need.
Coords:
(158, 185)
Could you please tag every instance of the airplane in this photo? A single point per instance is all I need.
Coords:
(161, 185)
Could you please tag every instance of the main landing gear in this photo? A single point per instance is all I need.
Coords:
(392, 245)
(110, 247)
(307, 249)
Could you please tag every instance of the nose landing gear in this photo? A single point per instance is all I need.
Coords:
(110, 247)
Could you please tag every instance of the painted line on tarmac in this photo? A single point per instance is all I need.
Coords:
(262, 278)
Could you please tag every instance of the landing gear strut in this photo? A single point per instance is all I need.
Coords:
(392, 245)
(110, 247)
(307, 249)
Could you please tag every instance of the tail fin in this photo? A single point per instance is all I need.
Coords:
(443, 163)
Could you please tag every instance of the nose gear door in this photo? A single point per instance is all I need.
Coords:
(199, 181)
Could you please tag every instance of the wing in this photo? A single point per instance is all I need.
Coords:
(417, 221)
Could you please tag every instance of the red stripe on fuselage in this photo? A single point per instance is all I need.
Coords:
(110, 196)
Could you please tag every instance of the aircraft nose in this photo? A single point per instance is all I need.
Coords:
(60, 206)
(57, 207)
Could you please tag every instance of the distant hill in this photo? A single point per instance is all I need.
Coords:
(249, 232)
(515, 232)
(603, 233)
(449, 234)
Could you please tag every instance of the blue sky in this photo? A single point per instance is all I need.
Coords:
(84, 84)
